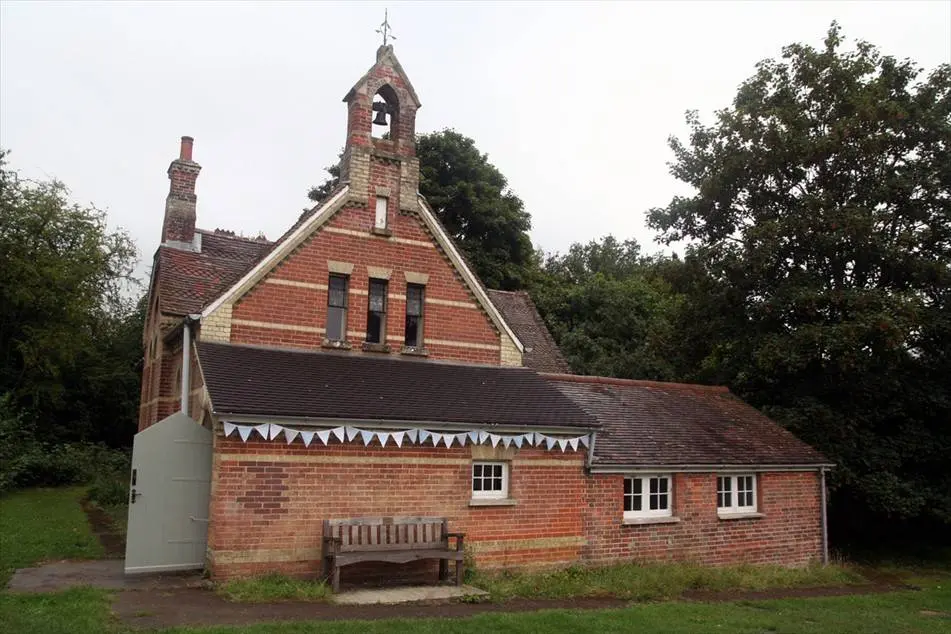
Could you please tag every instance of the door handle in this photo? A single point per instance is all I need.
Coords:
(134, 494)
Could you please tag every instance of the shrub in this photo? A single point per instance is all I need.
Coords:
(109, 490)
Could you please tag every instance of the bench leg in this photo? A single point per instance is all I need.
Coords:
(335, 581)
(443, 569)
(460, 571)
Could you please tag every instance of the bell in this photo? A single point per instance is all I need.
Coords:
(380, 118)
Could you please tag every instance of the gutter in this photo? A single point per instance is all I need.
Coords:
(706, 468)
(823, 515)
(187, 358)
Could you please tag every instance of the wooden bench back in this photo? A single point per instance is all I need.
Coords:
(388, 533)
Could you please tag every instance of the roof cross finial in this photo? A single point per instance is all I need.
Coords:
(385, 29)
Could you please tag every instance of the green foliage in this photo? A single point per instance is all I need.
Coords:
(273, 587)
(471, 198)
(69, 334)
(822, 223)
(657, 581)
(43, 524)
(110, 489)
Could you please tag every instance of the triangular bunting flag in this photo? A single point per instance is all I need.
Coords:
(494, 440)
(423, 435)
(412, 434)
(506, 441)
(585, 440)
(383, 437)
(367, 437)
(323, 435)
(573, 443)
(398, 437)
(339, 433)
(290, 434)
(263, 429)
(244, 431)
(448, 438)
(562, 443)
(550, 442)
(274, 431)
(483, 436)
(461, 439)
(307, 437)
(474, 437)
(352, 434)
(518, 441)
(229, 429)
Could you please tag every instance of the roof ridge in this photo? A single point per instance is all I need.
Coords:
(231, 235)
(609, 380)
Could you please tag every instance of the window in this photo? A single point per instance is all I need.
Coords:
(337, 308)
(376, 312)
(736, 494)
(414, 315)
(490, 480)
(647, 496)
(380, 222)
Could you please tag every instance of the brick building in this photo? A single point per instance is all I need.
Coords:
(357, 367)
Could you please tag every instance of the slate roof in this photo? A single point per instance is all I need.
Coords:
(522, 316)
(646, 423)
(277, 382)
(188, 280)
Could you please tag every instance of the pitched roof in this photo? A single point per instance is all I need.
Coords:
(188, 280)
(275, 382)
(518, 310)
(646, 423)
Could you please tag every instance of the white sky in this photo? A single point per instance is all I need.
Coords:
(573, 102)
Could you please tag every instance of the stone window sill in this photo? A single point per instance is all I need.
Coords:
(335, 345)
(740, 516)
(414, 352)
(375, 347)
(386, 233)
(639, 521)
(492, 502)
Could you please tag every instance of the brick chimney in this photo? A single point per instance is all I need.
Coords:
(178, 229)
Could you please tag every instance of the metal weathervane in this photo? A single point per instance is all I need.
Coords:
(385, 29)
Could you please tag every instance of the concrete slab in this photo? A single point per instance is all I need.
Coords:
(407, 594)
(102, 573)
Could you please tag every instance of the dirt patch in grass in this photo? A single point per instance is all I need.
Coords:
(105, 530)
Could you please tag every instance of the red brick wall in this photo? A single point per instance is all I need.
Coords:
(789, 532)
(469, 328)
(262, 505)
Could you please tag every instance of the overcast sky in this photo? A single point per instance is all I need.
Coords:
(572, 102)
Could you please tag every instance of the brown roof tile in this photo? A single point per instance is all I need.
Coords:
(647, 423)
(520, 313)
(266, 381)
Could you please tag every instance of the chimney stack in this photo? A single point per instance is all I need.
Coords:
(178, 229)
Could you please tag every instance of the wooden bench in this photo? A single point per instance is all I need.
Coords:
(392, 539)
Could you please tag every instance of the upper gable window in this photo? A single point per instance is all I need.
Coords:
(414, 315)
(376, 312)
(337, 307)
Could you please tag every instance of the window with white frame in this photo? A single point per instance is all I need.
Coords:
(647, 496)
(490, 480)
(736, 493)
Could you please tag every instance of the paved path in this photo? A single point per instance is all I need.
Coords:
(102, 573)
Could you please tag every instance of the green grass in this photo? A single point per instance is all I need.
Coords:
(273, 587)
(43, 524)
(74, 611)
(656, 582)
(119, 514)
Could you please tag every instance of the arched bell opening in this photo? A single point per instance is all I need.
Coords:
(386, 111)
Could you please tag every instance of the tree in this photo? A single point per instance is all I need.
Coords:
(68, 353)
(823, 209)
(471, 198)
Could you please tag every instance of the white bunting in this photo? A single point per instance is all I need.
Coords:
(474, 437)
(562, 444)
(324, 436)
(398, 437)
(518, 440)
(550, 442)
(506, 441)
(461, 439)
(367, 437)
(274, 431)
(263, 429)
(584, 440)
(383, 436)
(448, 438)
(352, 434)
(339, 432)
(244, 431)
(229, 429)
(483, 436)
(494, 440)
(573, 443)
(412, 434)
(290, 434)
(423, 435)
(307, 437)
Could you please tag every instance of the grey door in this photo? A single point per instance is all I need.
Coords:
(168, 511)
